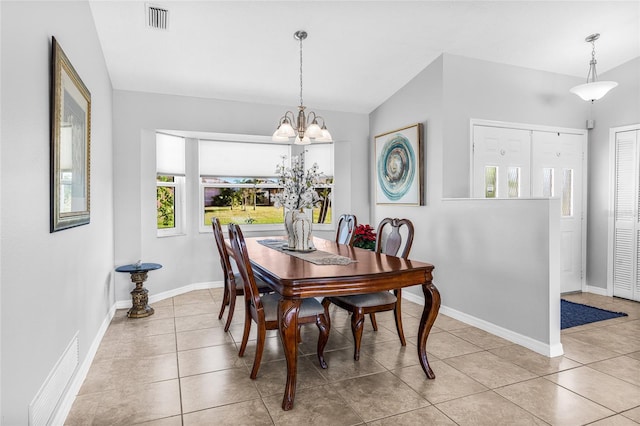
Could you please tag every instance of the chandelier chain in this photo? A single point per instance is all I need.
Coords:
(301, 103)
(593, 75)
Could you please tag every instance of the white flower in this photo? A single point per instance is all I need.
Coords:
(298, 185)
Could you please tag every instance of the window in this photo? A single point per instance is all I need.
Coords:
(547, 182)
(513, 182)
(490, 181)
(170, 182)
(239, 200)
(567, 192)
(238, 181)
(322, 154)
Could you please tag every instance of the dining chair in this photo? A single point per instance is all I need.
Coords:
(389, 241)
(263, 310)
(233, 285)
(346, 229)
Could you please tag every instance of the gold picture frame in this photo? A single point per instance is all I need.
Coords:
(70, 144)
(399, 166)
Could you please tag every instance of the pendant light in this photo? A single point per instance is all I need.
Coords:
(302, 132)
(593, 89)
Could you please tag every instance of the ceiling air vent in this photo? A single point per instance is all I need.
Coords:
(157, 17)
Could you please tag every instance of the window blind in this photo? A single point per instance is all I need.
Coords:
(242, 159)
(170, 155)
(321, 153)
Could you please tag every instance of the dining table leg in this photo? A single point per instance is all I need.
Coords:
(288, 315)
(429, 314)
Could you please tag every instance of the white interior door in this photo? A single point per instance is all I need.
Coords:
(501, 162)
(557, 171)
(626, 239)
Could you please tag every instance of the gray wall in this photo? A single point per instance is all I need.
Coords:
(53, 285)
(620, 107)
(497, 253)
(191, 258)
(490, 91)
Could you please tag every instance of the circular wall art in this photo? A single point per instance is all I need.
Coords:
(396, 167)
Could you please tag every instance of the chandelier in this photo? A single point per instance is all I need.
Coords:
(593, 89)
(302, 132)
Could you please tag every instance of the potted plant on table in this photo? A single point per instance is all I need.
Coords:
(364, 237)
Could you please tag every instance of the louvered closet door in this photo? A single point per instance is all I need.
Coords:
(626, 244)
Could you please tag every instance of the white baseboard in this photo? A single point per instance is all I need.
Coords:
(63, 409)
(598, 290)
(522, 340)
(67, 400)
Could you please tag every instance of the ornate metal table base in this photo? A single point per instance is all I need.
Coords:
(139, 297)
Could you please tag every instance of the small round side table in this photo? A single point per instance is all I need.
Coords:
(139, 295)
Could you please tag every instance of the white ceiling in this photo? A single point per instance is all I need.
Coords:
(357, 54)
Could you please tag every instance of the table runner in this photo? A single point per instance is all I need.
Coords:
(318, 257)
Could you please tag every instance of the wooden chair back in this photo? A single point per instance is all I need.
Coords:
(389, 238)
(222, 250)
(251, 293)
(346, 229)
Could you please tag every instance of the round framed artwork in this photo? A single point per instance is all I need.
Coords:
(398, 166)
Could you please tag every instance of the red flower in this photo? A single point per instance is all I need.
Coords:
(365, 237)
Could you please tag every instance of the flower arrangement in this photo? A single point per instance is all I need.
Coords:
(365, 237)
(298, 185)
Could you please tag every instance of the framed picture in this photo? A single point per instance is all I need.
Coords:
(399, 168)
(70, 144)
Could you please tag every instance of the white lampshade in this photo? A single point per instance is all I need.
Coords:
(593, 91)
(285, 130)
(304, 141)
(326, 136)
(277, 138)
(313, 130)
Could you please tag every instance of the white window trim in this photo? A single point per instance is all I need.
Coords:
(180, 206)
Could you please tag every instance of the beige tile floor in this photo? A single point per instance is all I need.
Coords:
(179, 367)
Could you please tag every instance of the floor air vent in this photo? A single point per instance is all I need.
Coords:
(157, 17)
(48, 397)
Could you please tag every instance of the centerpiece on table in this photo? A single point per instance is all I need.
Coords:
(364, 237)
(298, 193)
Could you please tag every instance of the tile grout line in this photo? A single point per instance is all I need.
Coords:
(175, 331)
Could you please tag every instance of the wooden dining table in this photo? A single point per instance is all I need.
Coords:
(295, 279)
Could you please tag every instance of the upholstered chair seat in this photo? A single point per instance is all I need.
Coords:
(389, 241)
(233, 284)
(263, 309)
(368, 300)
